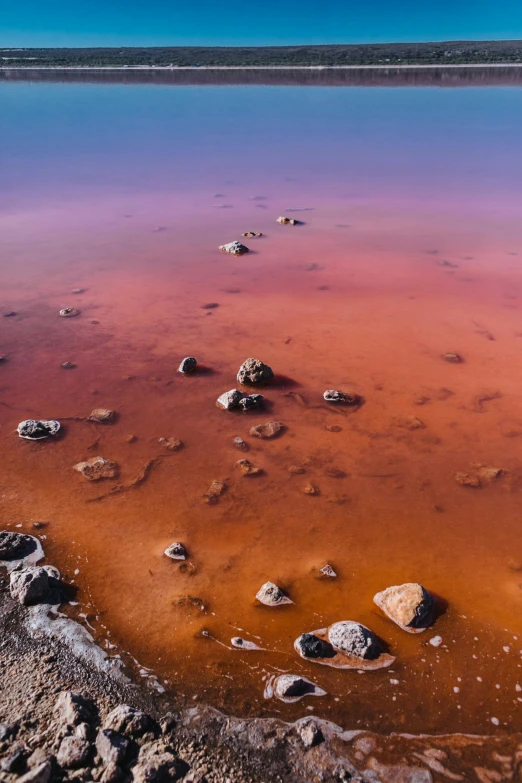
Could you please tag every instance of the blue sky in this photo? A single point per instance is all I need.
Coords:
(243, 23)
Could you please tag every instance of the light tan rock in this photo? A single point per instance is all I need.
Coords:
(409, 605)
(97, 468)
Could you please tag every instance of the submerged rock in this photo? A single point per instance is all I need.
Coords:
(354, 639)
(455, 358)
(467, 480)
(10, 314)
(247, 468)
(409, 422)
(266, 431)
(14, 546)
(310, 489)
(29, 585)
(215, 490)
(187, 365)
(252, 234)
(77, 290)
(243, 644)
(176, 551)
(97, 468)
(344, 398)
(409, 605)
(69, 312)
(254, 371)
(487, 473)
(102, 416)
(32, 429)
(240, 444)
(291, 688)
(229, 400)
(68, 366)
(286, 220)
(250, 402)
(234, 248)
(172, 444)
(308, 645)
(272, 595)
(296, 470)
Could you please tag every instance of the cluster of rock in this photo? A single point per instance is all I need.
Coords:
(234, 248)
(235, 399)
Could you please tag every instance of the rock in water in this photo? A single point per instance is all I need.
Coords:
(29, 585)
(32, 429)
(250, 402)
(284, 221)
(68, 366)
(410, 606)
(229, 399)
(265, 431)
(468, 480)
(187, 365)
(272, 595)
(97, 468)
(309, 732)
(69, 312)
(176, 551)
(254, 371)
(102, 416)
(354, 639)
(172, 444)
(327, 570)
(290, 688)
(308, 645)
(215, 490)
(455, 358)
(243, 644)
(240, 444)
(345, 398)
(252, 234)
(14, 546)
(234, 248)
(246, 468)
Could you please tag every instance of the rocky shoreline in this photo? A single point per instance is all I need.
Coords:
(63, 717)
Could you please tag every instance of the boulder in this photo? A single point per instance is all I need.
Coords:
(247, 468)
(33, 429)
(308, 645)
(272, 595)
(73, 753)
(240, 444)
(71, 709)
(266, 431)
(29, 585)
(343, 398)
(250, 402)
(187, 365)
(243, 644)
(97, 468)
(229, 399)
(355, 640)
(69, 312)
(40, 774)
(156, 762)
(176, 551)
(234, 248)
(129, 721)
(111, 746)
(254, 371)
(409, 605)
(14, 546)
(102, 416)
(215, 490)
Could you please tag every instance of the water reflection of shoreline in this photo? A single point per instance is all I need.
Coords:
(364, 77)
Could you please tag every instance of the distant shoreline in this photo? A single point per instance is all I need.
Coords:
(253, 67)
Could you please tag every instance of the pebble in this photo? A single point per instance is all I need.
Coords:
(187, 365)
(266, 431)
(344, 398)
(240, 444)
(229, 400)
(69, 312)
(172, 444)
(455, 358)
(270, 594)
(176, 551)
(97, 468)
(436, 641)
(102, 416)
(67, 366)
(284, 221)
(251, 401)
(247, 468)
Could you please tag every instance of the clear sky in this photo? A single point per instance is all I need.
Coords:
(243, 22)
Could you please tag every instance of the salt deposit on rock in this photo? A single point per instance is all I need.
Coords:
(187, 365)
(284, 221)
(254, 371)
(32, 429)
(344, 645)
(29, 585)
(267, 431)
(97, 468)
(176, 551)
(243, 644)
(234, 248)
(291, 688)
(308, 645)
(102, 415)
(69, 312)
(309, 732)
(339, 397)
(15, 545)
(251, 401)
(327, 570)
(229, 400)
(436, 641)
(409, 605)
(272, 595)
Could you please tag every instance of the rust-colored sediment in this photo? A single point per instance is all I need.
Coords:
(369, 310)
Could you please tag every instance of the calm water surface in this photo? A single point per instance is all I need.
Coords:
(411, 246)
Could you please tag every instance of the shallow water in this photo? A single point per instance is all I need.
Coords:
(410, 247)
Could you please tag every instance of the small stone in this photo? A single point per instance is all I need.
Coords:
(172, 444)
(436, 641)
(409, 423)
(10, 314)
(97, 468)
(284, 221)
(333, 428)
(455, 358)
(334, 472)
(69, 312)
(467, 480)
(343, 398)
(129, 721)
(354, 639)
(67, 366)
(328, 571)
(78, 291)
(229, 400)
(290, 687)
(15, 545)
(487, 473)
(111, 746)
(210, 306)
(131, 438)
(246, 468)
(72, 709)
(310, 489)
(254, 371)
(40, 774)
(296, 470)
(310, 646)
(157, 764)
(176, 551)
(102, 416)
(265, 431)
(215, 490)
(272, 595)
(240, 444)
(250, 402)
(29, 585)
(310, 733)
(73, 753)
(409, 605)
(187, 365)
(32, 429)
(252, 234)
(234, 248)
